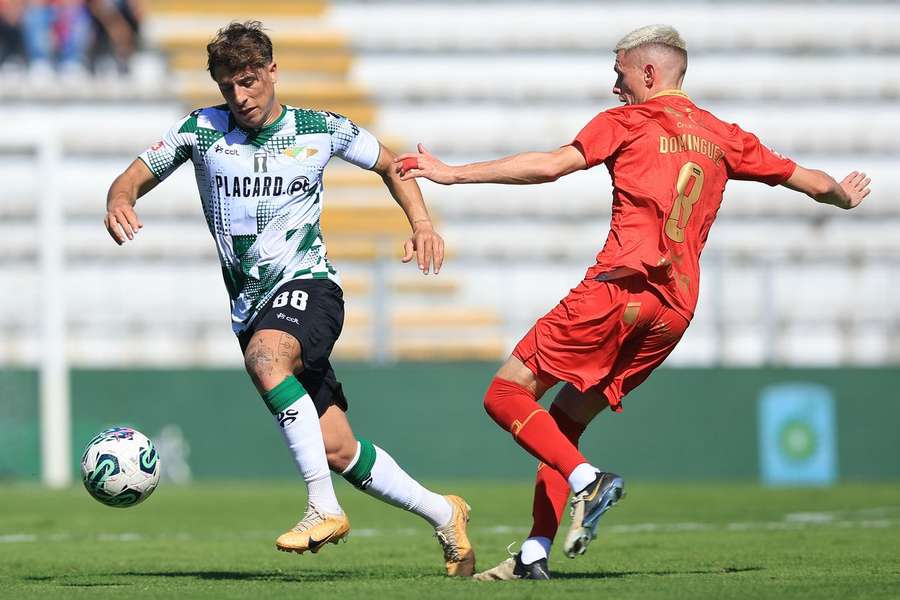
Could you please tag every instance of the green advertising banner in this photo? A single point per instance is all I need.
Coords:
(682, 424)
(20, 445)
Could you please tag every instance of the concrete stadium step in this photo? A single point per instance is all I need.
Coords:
(213, 344)
(564, 77)
(311, 38)
(305, 49)
(597, 26)
(334, 63)
(362, 285)
(489, 349)
(155, 242)
(337, 96)
(582, 195)
(433, 319)
(801, 344)
(134, 293)
(489, 129)
(364, 220)
(235, 9)
(493, 128)
(175, 241)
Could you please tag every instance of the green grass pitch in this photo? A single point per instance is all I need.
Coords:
(662, 541)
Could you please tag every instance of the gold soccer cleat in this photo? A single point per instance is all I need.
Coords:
(458, 552)
(313, 531)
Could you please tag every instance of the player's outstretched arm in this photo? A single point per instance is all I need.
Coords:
(521, 169)
(821, 187)
(121, 221)
(425, 244)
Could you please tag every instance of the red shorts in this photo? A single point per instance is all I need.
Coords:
(607, 335)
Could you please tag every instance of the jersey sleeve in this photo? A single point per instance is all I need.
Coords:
(759, 163)
(172, 151)
(351, 142)
(602, 137)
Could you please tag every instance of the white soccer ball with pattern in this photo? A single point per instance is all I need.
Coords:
(120, 467)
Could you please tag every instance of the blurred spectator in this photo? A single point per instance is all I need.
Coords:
(12, 42)
(56, 31)
(116, 28)
(71, 36)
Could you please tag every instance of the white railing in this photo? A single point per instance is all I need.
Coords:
(55, 410)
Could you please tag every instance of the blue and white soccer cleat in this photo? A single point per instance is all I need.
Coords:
(588, 506)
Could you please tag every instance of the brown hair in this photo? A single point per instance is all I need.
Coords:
(238, 46)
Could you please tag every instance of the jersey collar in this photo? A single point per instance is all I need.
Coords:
(274, 124)
(672, 92)
(260, 136)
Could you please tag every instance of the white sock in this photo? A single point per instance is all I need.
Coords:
(299, 423)
(535, 548)
(389, 483)
(582, 476)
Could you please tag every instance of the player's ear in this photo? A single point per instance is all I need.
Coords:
(649, 74)
(273, 71)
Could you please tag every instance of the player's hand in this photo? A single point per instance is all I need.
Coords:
(856, 186)
(122, 222)
(426, 245)
(423, 164)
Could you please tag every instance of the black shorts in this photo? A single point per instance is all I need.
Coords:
(311, 310)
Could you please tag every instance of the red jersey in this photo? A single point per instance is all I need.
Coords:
(669, 162)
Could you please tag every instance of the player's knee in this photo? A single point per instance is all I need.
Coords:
(498, 397)
(515, 371)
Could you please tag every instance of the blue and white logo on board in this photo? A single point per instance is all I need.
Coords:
(797, 442)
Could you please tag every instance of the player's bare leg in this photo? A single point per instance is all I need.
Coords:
(371, 469)
(272, 359)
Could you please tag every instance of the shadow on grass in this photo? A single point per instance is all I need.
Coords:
(251, 575)
(336, 575)
(621, 574)
(279, 576)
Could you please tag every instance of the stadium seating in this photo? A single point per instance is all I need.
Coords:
(785, 281)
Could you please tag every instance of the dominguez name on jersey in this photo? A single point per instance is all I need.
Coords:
(260, 186)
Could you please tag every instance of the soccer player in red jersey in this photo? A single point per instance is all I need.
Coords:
(669, 161)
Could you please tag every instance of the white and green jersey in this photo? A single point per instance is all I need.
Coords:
(262, 193)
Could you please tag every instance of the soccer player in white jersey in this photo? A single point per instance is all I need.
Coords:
(259, 167)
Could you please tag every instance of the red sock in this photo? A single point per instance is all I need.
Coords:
(513, 408)
(551, 490)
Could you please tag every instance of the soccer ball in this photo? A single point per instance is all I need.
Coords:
(120, 467)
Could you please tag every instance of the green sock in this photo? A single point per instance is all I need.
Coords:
(283, 395)
(360, 473)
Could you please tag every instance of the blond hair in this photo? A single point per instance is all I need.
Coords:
(664, 35)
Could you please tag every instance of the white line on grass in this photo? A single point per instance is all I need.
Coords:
(790, 522)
